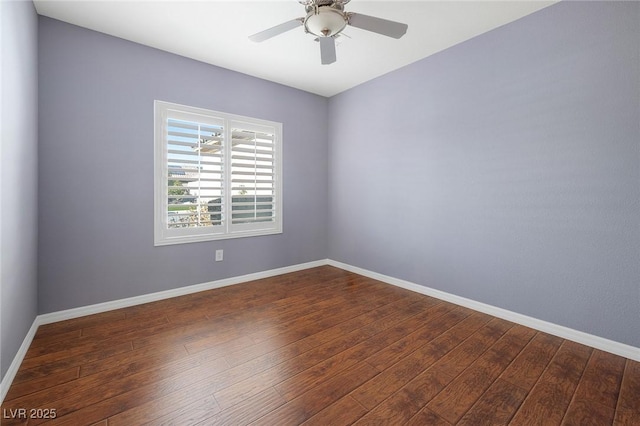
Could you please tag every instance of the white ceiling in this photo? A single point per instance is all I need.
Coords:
(216, 32)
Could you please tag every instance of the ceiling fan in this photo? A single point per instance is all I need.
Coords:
(326, 19)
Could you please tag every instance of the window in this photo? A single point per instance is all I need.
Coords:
(217, 175)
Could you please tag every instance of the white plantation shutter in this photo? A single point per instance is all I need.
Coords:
(216, 175)
(195, 173)
(253, 178)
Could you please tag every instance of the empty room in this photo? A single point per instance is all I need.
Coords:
(320, 212)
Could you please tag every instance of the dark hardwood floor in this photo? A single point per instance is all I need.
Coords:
(316, 347)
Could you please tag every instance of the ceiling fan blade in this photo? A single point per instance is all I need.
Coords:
(277, 30)
(378, 25)
(327, 50)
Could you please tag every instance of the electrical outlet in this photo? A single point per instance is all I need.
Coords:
(219, 255)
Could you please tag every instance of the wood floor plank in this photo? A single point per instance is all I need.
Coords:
(217, 327)
(601, 380)
(121, 402)
(336, 364)
(119, 327)
(76, 324)
(427, 417)
(45, 382)
(411, 398)
(43, 339)
(131, 361)
(288, 302)
(312, 402)
(90, 342)
(526, 369)
(175, 334)
(253, 299)
(626, 417)
(32, 370)
(346, 320)
(552, 394)
(630, 388)
(191, 414)
(393, 378)
(407, 402)
(344, 411)
(289, 368)
(291, 319)
(77, 395)
(91, 349)
(628, 406)
(247, 411)
(331, 307)
(444, 319)
(127, 392)
(496, 406)
(370, 313)
(274, 354)
(456, 361)
(454, 401)
(318, 346)
(236, 319)
(582, 412)
(160, 406)
(223, 314)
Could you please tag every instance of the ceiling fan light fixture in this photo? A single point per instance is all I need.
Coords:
(323, 2)
(325, 21)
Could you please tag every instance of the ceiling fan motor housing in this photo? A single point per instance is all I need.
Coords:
(325, 21)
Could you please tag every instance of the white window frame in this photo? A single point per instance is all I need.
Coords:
(163, 235)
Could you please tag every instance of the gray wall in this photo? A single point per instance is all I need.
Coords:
(505, 169)
(96, 169)
(18, 176)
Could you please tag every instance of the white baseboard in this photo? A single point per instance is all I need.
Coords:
(17, 360)
(601, 343)
(597, 342)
